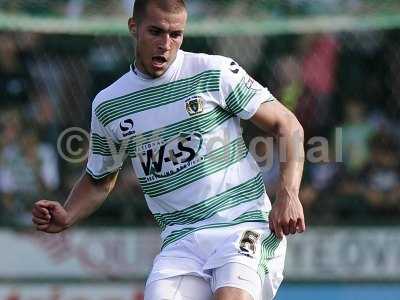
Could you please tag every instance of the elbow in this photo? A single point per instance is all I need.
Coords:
(299, 129)
(291, 127)
(105, 185)
(108, 184)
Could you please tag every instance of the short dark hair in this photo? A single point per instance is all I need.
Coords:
(139, 8)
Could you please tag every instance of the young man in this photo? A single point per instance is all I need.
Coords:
(176, 115)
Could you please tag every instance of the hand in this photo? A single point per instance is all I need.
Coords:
(286, 215)
(49, 216)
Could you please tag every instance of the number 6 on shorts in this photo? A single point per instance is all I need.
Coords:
(248, 243)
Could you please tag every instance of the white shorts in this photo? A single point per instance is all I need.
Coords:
(245, 256)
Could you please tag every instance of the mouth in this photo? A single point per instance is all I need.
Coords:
(159, 62)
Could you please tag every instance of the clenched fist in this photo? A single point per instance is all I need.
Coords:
(49, 216)
(287, 216)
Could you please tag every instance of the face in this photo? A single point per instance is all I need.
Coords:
(159, 35)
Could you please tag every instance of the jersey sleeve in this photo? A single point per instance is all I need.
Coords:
(239, 93)
(106, 155)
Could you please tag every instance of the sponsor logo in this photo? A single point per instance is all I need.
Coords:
(234, 67)
(172, 157)
(195, 105)
(251, 84)
(126, 127)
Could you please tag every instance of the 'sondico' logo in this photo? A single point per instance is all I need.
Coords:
(234, 67)
(126, 127)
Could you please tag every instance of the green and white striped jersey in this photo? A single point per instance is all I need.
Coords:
(182, 134)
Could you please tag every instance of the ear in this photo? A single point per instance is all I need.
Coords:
(132, 25)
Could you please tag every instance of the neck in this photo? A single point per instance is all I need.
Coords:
(140, 72)
(138, 65)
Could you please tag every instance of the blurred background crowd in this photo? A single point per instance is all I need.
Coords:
(202, 8)
(343, 87)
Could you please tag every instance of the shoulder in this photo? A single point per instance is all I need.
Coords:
(117, 89)
(205, 61)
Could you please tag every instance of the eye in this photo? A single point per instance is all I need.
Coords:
(176, 34)
(155, 32)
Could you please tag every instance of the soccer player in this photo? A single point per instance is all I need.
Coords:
(176, 116)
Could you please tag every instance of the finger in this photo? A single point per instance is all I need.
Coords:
(42, 202)
(271, 225)
(46, 204)
(292, 227)
(42, 227)
(285, 229)
(278, 230)
(44, 210)
(301, 226)
(40, 221)
(40, 212)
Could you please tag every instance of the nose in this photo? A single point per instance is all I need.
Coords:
(165, 42)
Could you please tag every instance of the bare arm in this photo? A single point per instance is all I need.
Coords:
(86, 196)
(287, 212)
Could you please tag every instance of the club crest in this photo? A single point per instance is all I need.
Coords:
(194, 105)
